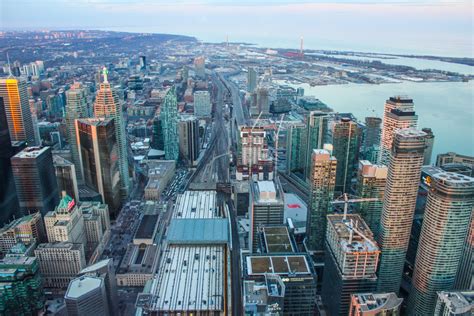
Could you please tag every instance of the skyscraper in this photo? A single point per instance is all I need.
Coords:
(200, 67)
(465, 275)
(371, 180)
(266, 208)
(345, 140)
(157, 141)
(316, 133)
(372, 131)
(398, 113)
(169, 125)
(66, 176)
(251, 79)
(202, 104)
(17, 108)
(351, 259)
(76, 107)
(86, 295)
(296, 149)
(35, 180)
(65, 223)
(188, 130)
(8, 198)
(323, 180)
(398, 209)
(108, 104)
(445, 226)
(98, 154)
(429, 145)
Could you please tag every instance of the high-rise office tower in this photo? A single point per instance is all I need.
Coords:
(375, 304)
(60, 262)
(371, 180)
(352, 255)
(27, 230)
(17, 108)
(35, 180)
(399, 202)
(266, 208)
(296, 149)
(323, 181)
(157, 140)
(21, 290)
(429, 145)
(445, 227)
(76, 107)
(104, 269)
(251, 79)
(346, 141)
(169, 125)
(200, 67)
(460, 303)
(108, 104)
(142, 60)
(202, 104)
(86, 295)
(465, 275)
(66, 176)
(188, 130)
(399, 113)
(65, 223)
(99, 157)
(372, 131)
(8, 198)
(316, 133)
(252, 145)
(263, 100)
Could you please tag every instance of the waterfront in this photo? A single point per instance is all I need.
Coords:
(445, 107)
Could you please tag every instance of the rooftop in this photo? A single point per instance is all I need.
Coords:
(370, 302)
(198, 231)
(101, 121)
(458, 302)
(31, 152)
(352, 233)
(277, 264)
(147, 226)
(277, 239)
(196, 204)
(83, 285)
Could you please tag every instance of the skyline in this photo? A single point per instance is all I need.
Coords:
(441, 28)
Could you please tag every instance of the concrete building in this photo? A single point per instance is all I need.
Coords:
(430, 138)
(200, 67)
(323, 181)
(76, 108)
(169, 125)
(401, 190)
(446, 224)
(66, 176)
(97, 228)
(451, 158)
(298, 276)
(189, 144)
(27, 230)
(351, 260)
(251, 79)
(346, 143)
(202, 104)
(104, 269)
(399, 113)
(375, 304)
(108, 104)
(60, 262)
(454, 304)
(266, 208)
(252, 155)
(371, 180)
(65, 223)
(21, 290)
(17, 108)
(35, 180)
(98, 152)
(86, 296)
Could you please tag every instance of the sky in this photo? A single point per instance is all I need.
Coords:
(437, 27)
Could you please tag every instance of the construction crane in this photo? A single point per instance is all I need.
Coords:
(344, 199)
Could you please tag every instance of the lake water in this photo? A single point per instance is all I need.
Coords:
(446, 107)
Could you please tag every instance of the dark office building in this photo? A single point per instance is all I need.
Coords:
(8, 198)
(157, 141)
(98, 153)
(35, 180)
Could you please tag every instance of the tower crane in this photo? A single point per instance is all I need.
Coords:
(344, 199)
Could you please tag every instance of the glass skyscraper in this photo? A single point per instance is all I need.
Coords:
(169, 125)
